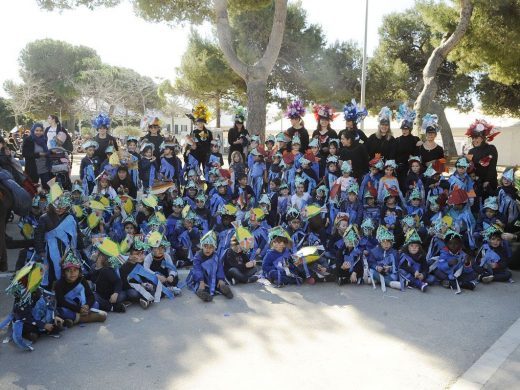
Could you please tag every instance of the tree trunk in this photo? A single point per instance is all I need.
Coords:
(218, 110)
(446, 133)
(435, 61)
(16, 120)
(255, 75)
(256, 99)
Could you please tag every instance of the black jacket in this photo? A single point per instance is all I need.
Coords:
(382, 146)
(67, 145)
(30, 159)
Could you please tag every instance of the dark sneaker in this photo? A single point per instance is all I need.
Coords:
(252, 279)
(119, 308)
(144, 303)
(341, 281)
(68, 323)
(204, 295)
(226, 291)
(445, 283)
(424, 286)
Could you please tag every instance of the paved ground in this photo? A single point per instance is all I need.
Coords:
(295, 337)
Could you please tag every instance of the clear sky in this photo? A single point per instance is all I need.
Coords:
(122, 39)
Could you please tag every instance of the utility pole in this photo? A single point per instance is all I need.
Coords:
(364, 69)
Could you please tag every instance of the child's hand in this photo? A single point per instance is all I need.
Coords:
(379, 268)
(169, 279)
(494, 265)
(221, 283)
(84, 310)
(346, 265)
(48, 327)
(250, 264)
(353, 278)
(202, 286)
(113, 298)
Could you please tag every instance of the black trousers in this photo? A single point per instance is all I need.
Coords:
(239, 276)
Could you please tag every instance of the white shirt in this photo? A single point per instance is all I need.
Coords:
(51, 137)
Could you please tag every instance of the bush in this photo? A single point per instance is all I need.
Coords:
(125, 131)
(88, 132)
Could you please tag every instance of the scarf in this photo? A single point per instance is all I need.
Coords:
(40, 141)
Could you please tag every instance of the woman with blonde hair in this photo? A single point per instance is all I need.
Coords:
(382, 141)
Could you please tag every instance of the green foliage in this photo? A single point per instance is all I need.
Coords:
(492, 43)
(125, 131)
(52, 5)
(174, 12)
(204, 73)
(6, 115)
(58, 65)
(497, 98)
(406, 43)
(87, 132)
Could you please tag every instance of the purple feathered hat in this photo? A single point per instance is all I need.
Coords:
(295, 110)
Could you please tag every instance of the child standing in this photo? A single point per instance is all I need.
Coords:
(89, 167)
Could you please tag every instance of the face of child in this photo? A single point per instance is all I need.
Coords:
(199, 203)
(505, 182)
(222, 190)
(461, 170)
(389, 171)
(103, 183)
(295, 223)
(71, 274)
(413, 248)
(300, 188)
(342, 227)
(168, 152)
(253, 144)
(192, 192)
(158, 253)
(132, 146)
(416, 167)
(332, 167)
(122, 174)
(254, 223)
(333, 149)
(243, 181)
(295, 147)
(315, 150)
(386, 244)
(136, 256)
(176, 209)
(373, 171)
(284, 191)
(495, 241)
(207, 249)
(90, 152)
(416, 202)
(278, 244)
(76, 195)
(490, 213)
(390, 201)
(188, 224)
(352, 197)
(454, 245)
(129, 229)
(148, 153)
(272, 186)
(236, 248)
(236, 158)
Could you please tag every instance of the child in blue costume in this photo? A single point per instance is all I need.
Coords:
(455, 267)
(296, 152)
(460, 178)
(109, 288)
(255, 217)
(283, 199)
(244, 194)
(133, 161)
(159, 262)
(316, 236)
(277, 264)
(489, 215)
(383, 260)
(89, 168)
(389, 181)
(294, 228)
(168, 169)
(173, 219)
(349, 265)
(300, 198)
(352, 205)
(226, 228)
(463, 220)
(367, 241)
(190, 161)
(432, 182)
(220, 198)
(75, 300)
(371, 209)
(507, 199)
(370, 182)
(237, 266)
(493, 258)
(147, 166)
(345, 180)
(207, 276)
(33, 311)
(204, 216)
(332, 171)
(257, 173)
(237, 167)
(414, 178)
(414, 206)
(275, 170)
(188, 235)
(413, 268)
(269, 204)
(335, 243)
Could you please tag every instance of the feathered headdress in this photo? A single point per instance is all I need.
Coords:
(295, 110)
(102, 120)
(323, 111)
(481, 128)
(354, 112)
(385, 115)
(240, 114)
(430, 123)
(150, 119)
(26, 281)
(406, 115)
(201, 113)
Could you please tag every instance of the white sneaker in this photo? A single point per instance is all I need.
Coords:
(395, 284)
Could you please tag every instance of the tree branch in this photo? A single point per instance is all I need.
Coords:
(225, 40)
(268, 60)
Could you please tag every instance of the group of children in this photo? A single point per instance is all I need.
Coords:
(285, 215)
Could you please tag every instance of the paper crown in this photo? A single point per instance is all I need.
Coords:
(71, 260)
(295, 109)
(323, 111)
(412, 237)
(383, 234)
(210, 238)
(90, 144)
(346, 167)
(227, 209)
(458, 196)
(278, 231)
(509, 175)
(245, 239)
(292, 213)
(25, 282)
(367, 224)
(415, 194)
(351, 235)
(491, 202)
(314, 143)
(310, 211)
(377, 161)
(156, 239)
(491, 230)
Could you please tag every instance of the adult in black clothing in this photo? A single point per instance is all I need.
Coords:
(430, 151)
(154, 137)
(295, 112)
(382, 141)
(353, 115)
(237, 137)
(36, 155)
(484, 155)
(202, 135)
(102, 123)
(123, 183)
(324, 114)
(406, 145)
(52, 131)
(355, 153)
